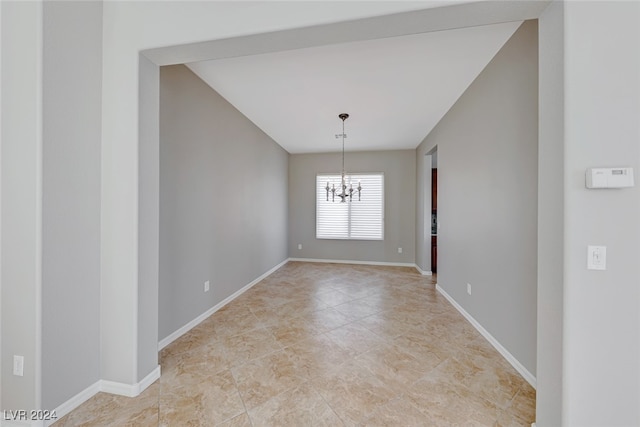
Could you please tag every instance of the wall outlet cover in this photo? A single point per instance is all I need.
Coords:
(18, 365)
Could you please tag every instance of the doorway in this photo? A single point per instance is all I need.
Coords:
(431, 163)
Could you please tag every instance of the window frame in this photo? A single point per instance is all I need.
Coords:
(333, 177)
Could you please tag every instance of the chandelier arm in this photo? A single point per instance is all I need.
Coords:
(343, 192)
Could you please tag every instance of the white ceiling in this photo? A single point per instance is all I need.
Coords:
(394, 89)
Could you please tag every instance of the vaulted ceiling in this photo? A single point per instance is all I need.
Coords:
(395, 89)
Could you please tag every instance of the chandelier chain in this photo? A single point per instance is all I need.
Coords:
(344, 195)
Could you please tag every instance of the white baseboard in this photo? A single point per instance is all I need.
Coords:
(528, 376)
(195, 322)
(423, 272)
(75, 401)
(343, 261)
(128, 390)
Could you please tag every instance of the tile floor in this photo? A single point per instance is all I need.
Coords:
(327, 345)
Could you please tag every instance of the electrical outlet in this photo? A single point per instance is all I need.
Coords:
(206, 286)
(18, 365)
(299, 246)
(469, 288)
(399, 250)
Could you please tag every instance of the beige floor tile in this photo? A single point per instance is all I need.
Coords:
(197, 338)
(395, 367)
(333, 298)
(294, 330)
(317, 356)
(356, 309)
(327, 345)
(234, 322)
(105, 409)
(424, 346)
(241, 420)
(211, 358)
(355, 338)
(523, 405)
(198, 398)
(363, 289)
(250, 345)
(439, 400)
(264, 378)
(383, 325)
(301, 406)
(295, 308)
(352, 392)
(328, 319)
(494, 384)
(396, 413)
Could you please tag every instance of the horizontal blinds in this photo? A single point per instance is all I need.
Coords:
(359, 219)
(366, 214)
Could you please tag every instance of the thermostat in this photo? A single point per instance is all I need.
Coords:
(609, 177)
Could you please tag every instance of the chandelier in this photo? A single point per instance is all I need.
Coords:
(344, 193)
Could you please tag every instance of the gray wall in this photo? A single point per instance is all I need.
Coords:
(223, 199)
(71, 199)
(21, 200)
(148, 217)
(550, 217)
(399, 168)
(487, 196)
(601, 308)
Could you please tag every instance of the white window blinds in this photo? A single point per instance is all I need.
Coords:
(357, 220)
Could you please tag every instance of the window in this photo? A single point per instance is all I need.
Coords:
(355, 220)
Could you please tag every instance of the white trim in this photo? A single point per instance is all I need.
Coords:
(421, 271)
(531, 379)
(130, 390)
(133, 390)
(346, 261)
(152, 377)
(195, 322)
(120, 389)
(75, 401)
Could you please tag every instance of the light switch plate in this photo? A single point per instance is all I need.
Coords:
(18, 365)
(596, 257)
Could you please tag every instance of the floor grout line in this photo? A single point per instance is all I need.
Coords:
(402, 318)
